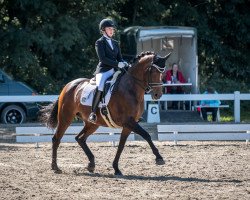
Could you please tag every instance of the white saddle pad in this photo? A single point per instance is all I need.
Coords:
(88, 93)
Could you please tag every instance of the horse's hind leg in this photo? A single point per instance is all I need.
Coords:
(55, 145)
(63, 124)
(81, 138)
(124, 135)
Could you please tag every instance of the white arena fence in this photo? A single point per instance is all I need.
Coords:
(44, 134)
(237, 97)
(188, 132)
(165, 132)
(207, 132)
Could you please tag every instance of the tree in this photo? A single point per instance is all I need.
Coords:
(223, 40)
(47, 43)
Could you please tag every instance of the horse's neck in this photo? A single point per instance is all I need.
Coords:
(138, 81)
(138, 77)
(138, 74)
(139, 70)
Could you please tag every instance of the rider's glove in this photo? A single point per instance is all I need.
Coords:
(121, 65)
(126, 64)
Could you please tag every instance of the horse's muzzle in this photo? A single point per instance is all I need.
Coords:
(156, 96)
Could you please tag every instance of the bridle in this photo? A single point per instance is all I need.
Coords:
(150, 85)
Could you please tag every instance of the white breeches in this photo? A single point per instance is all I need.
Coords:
(102, 77)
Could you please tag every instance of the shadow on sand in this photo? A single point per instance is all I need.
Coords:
(157, 178)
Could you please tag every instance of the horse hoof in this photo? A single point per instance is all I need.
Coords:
(160, 161)
(58, 171)
(91, 167)
(118, 173)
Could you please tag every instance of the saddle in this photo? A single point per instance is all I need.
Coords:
(110, 84)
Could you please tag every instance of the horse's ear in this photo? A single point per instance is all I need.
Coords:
(167, 56)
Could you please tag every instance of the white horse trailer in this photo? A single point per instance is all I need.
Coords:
(182, 41)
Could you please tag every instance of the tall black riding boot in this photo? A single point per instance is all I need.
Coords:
(95, 103)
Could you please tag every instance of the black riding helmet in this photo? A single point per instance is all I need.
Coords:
(106, 23)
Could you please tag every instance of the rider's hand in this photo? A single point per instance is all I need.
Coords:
(126, 64)
(121, 65)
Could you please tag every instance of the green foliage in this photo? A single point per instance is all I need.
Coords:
(223, 40)
(47, 43)
(224, 57)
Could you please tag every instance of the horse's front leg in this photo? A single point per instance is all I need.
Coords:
(135, 127)
(81, 138)
(124, 135)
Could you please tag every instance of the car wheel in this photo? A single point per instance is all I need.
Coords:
(13, 115)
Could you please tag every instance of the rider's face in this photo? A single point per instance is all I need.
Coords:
(109, 31)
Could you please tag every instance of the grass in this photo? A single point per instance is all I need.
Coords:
(228, 116)
(245, 116)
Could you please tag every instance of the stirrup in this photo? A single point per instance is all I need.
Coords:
(92, 117)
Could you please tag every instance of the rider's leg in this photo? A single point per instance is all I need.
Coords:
(100, 81)
(96, 100)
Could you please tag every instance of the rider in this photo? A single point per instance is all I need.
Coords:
(109, 54)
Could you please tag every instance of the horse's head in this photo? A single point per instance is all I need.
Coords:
(147, 70)
(154, 73)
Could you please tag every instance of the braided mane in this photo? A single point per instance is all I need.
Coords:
(142, 54)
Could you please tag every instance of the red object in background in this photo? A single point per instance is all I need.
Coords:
(180, 78)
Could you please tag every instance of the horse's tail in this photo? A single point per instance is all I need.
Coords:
(49, 115)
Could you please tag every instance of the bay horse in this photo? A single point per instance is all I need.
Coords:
(126, 107)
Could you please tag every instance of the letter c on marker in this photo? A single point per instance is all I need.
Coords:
(153, 110)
